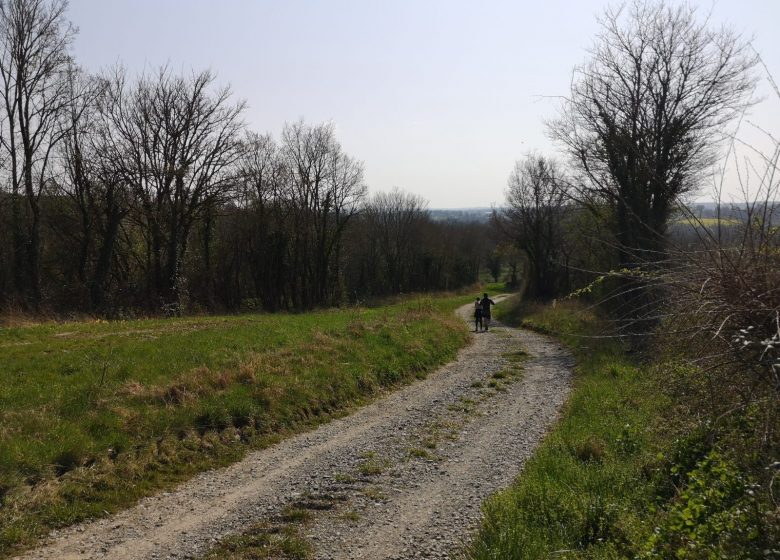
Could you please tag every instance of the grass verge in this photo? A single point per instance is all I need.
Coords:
(584, 483)
(627, 472)
(95, 415)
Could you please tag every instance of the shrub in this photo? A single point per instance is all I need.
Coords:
(717, 515)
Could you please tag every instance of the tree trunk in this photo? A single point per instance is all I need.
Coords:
(99, 283)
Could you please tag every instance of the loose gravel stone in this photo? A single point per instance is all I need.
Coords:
(403, 477)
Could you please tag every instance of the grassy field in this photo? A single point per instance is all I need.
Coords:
(626, 473)
(94, 415)
(709, 222)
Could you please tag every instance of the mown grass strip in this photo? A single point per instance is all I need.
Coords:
(95, 415)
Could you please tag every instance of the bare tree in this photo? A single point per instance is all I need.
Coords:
(326, 189)
(263, 186)
(536, 201)
(174, 142)
(34, 64)
(92, 182)
(347, 190)
(394, 220)
(645, 114)
(260, 171)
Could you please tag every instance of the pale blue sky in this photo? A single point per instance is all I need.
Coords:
(436, 97)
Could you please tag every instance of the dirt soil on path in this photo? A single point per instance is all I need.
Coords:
(403, 477)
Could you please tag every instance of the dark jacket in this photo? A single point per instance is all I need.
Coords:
(486, 303)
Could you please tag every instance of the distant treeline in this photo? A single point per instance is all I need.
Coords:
(479, 215)
(121, 194)
(287, 226)
(727, 210)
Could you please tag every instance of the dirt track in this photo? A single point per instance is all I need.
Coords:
(403, 477)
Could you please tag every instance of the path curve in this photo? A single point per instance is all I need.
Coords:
(411, 469)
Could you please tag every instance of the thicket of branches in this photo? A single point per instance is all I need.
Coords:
(647, 115)
(122, 193)
(653, 114)
(650, 117)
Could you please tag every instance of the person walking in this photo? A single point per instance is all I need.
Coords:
(485, 303)
(477, 315)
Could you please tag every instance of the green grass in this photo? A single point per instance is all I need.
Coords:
(351, 516)
(293, 514)
(95, 415)
(633, 469)
(421, 453)
(494, 288)
(264, 542)
(372, 465)
(374, 493)
(587, 488)
(344, 478)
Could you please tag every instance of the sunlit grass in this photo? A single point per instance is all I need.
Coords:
(585, 490)
(94, 415)
(709, 222)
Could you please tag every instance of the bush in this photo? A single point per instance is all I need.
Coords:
(717, 515)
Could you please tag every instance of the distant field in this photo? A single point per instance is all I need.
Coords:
(708, 222)
(94, 415)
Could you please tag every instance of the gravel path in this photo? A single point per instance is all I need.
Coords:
(403, 477)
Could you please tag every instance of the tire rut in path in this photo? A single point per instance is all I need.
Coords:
(412, 469)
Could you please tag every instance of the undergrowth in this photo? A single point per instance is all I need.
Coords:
(634, 468)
